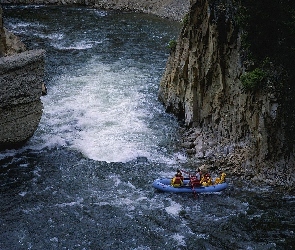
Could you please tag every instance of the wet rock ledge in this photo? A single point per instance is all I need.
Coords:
(21, 78)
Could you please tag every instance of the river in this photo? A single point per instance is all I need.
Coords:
(83, 181)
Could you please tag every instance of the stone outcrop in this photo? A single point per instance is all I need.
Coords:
(21, 78)
(230, 128)
(13, 44)
(174, 9)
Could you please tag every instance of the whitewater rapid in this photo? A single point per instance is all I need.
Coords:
(102, 86)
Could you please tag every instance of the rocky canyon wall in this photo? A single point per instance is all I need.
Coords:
(2, 36)
(21, 78)
(241, 131)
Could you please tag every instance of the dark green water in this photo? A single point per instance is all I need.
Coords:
(84, 180)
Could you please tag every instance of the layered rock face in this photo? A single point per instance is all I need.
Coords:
(21, 78)
(174, 9)
(202, 86)
(2, 36)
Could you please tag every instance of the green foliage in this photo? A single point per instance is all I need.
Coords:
(268, 31)
(185, 19)
(172, 45)
(254, 79)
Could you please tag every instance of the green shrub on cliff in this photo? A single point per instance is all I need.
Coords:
(254, 80)
(185, 19)
(268, 31)
(172, 45)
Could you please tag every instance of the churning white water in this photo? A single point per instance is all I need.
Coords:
(100, 111)
(104, 101)
(103, 70)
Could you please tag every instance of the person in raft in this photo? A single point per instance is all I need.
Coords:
(177, 180)
(195, 179)
(178, 172)
(198, 174)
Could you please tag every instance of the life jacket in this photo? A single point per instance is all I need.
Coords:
(180, 176)
(194, 182)
(176, 181)
(206, 180)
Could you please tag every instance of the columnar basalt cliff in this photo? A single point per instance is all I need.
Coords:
(173, 9)
(21, 78)
(231, 128)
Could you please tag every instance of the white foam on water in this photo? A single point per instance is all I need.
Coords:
(99, 111)
(81, 45)
(202, 236)
(130, 185)
(289, 198)
(180, 239)
(22, 193)
(101, 13)
(173, 209)
(103, 203)
(23, 24)
(8, 153)
(51, 36)
(142, 248)
(78, 202)
(54, 239)
(115, 180)
(126, 203)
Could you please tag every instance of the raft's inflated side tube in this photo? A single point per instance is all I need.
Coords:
(164, 186)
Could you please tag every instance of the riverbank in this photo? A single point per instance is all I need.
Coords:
(235, 159)
(172, 9)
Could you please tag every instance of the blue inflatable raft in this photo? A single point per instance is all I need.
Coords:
(164, 186)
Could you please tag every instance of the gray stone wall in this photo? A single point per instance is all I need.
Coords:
(21, 78)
